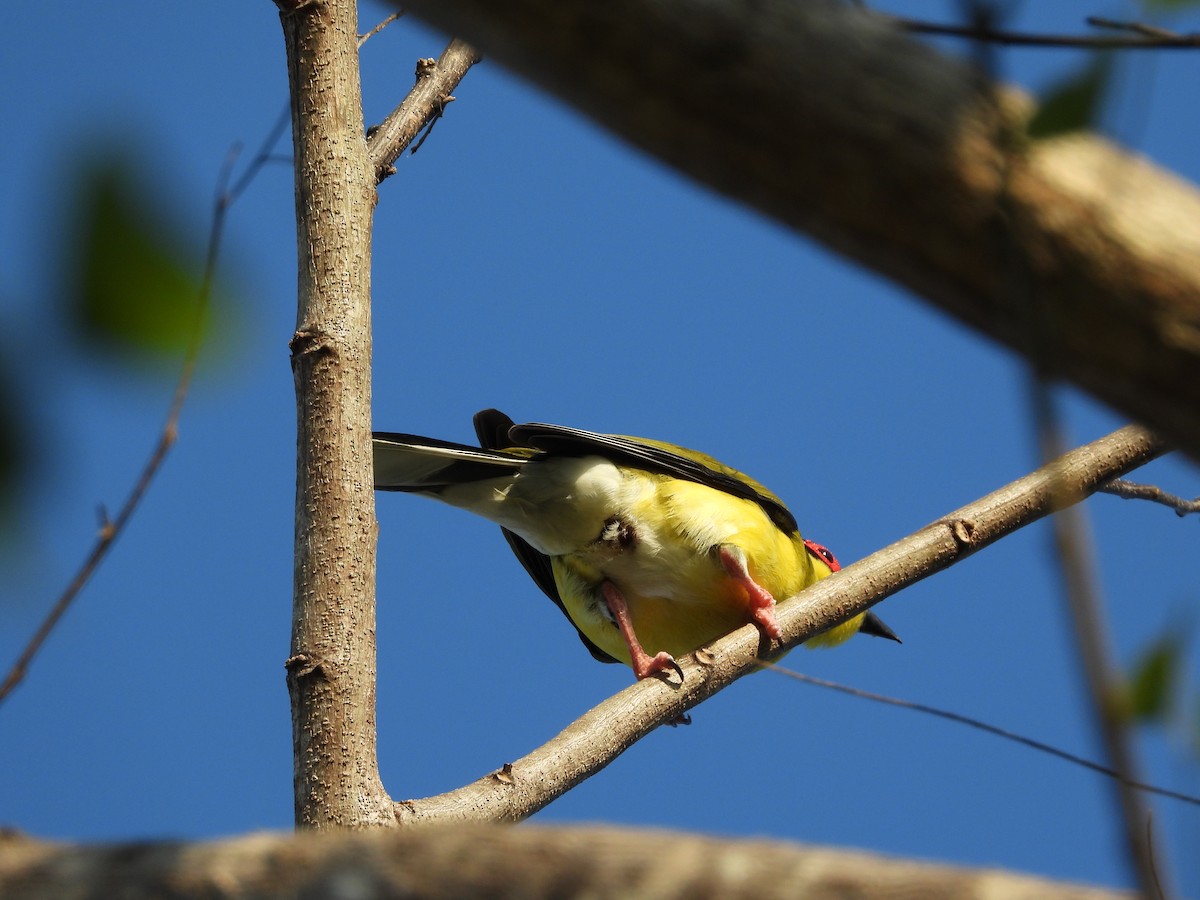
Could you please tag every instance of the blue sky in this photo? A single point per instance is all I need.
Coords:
(527, 261)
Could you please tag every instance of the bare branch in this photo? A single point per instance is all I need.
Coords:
(1132, 490)
(487, 861)
(600, 735)
(331, 670)
(842, 126)
(424, 105)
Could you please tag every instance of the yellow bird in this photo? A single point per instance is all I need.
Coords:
(651, 550)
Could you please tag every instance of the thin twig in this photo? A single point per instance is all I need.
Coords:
(1141, 28)
(110, 530)
(1143, 41)
(1132, 490)
(265, 154)
(438, 113)
(363, 38)
(982, 726)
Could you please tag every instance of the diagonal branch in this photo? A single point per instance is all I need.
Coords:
(838, 124)
(598, 737)
(423, 106)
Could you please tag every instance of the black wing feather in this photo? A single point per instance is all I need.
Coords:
(537, 564)
(492, 427)
(564, 441)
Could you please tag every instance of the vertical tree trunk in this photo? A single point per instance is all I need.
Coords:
(331, 672)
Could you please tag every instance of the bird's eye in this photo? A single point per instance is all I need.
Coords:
(824, 553)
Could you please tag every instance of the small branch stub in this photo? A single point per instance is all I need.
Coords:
(302, 665)
(504, 774)
(310, 342)
(963, 530)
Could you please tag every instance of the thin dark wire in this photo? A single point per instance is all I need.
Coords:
(983, 726)
(1152, 31)
(1142, 41)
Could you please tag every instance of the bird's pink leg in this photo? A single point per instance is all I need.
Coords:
(762, 604)
(643, 663)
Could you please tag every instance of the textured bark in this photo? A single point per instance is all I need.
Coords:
(331, 672)
(482, 861)
(1074, 252)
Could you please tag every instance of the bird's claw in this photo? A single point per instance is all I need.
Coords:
(662, 661)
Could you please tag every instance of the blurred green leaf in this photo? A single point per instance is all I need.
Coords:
(135, 285)
(1074, 103)
(1153, 680)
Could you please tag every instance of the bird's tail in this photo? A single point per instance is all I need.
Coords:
(409, 462)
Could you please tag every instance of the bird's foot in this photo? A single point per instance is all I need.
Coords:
(644, 665)
(759, 599)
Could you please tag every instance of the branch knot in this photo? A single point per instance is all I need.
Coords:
(310, 342)
(963, 532)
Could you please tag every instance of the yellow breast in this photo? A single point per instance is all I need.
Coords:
(666, 566)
